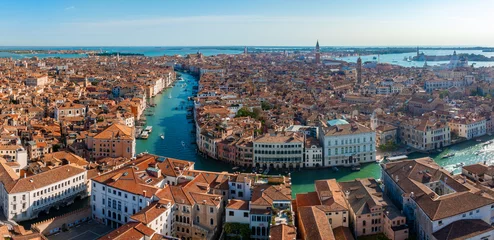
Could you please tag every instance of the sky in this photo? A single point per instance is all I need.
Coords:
(246, 23)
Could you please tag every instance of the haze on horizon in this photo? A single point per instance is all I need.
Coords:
(250, 23)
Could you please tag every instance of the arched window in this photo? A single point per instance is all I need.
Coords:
(211, 221)
(363, 223)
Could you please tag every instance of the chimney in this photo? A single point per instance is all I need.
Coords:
(347, 194)
(144, 193)
(24, 175)
(412, 195)
(397, 178)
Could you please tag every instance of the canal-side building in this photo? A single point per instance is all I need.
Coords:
(279, 150)
(347, 144)
(469, 126)
(424, 133)
(432, 199)
(23, 198)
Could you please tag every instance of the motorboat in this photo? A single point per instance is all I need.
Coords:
(183, 144)
(448, 155)
(162, 136)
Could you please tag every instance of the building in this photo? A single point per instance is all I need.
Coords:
(359, 70)
(24, 198)
(280, 150)
(432, 199)
(37, 80)
(468, 126)
(15, 155)
(318, 53)
(117, 140)
(371, 212)
(155, 192)
(329, 199)
(69, 109)
(346, 144)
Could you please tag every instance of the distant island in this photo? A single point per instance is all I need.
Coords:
(471, 57)
(118, 53)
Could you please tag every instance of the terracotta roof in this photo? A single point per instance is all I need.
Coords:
(43, 179)
(283, 232)
(412, 176)
(315, 224)
(238, 204)
(463, 229)
(116, 131)
(130, 231)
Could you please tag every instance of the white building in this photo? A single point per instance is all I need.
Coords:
(14, 154)
(313, 154)
(347, 144)
(237, 211)
(24, 198)
(279, 150)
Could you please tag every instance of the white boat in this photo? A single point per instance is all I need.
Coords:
(162, 136)
(448, 155)
(169, 96)
(183, 144)
(479, 140)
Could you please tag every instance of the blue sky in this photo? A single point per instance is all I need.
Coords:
(252, 22)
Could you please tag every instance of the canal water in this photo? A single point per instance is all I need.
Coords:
(170, 119)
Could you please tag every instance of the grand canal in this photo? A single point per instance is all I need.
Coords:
(170, 118)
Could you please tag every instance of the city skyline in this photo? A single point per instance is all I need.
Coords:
(253, 23)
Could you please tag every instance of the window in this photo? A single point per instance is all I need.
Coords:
(211, 221)
(246, 214)
(440, 223)
(231, 213)
(211, 210)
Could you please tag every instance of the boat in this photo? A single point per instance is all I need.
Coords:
(148, 129)
(235, 168)
(479, 140)
(439, 150)
(266, 171)
(448, 155)
(396, 158)
(461, 164)
(144, 135)
(487, 143)
(355, 168)
(489, 134)
(170, 96)
(335, 169)
(162, 136)
(478, 153)
(183, 144)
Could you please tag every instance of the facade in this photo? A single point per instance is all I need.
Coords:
(69, 109)
(468, 127)
(370, 209)
(117, 140)
(24, 198)
(347, 144)
(35, 81)
(279, 150)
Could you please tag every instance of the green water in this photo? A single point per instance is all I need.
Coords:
(177, 128)
(173, 123)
